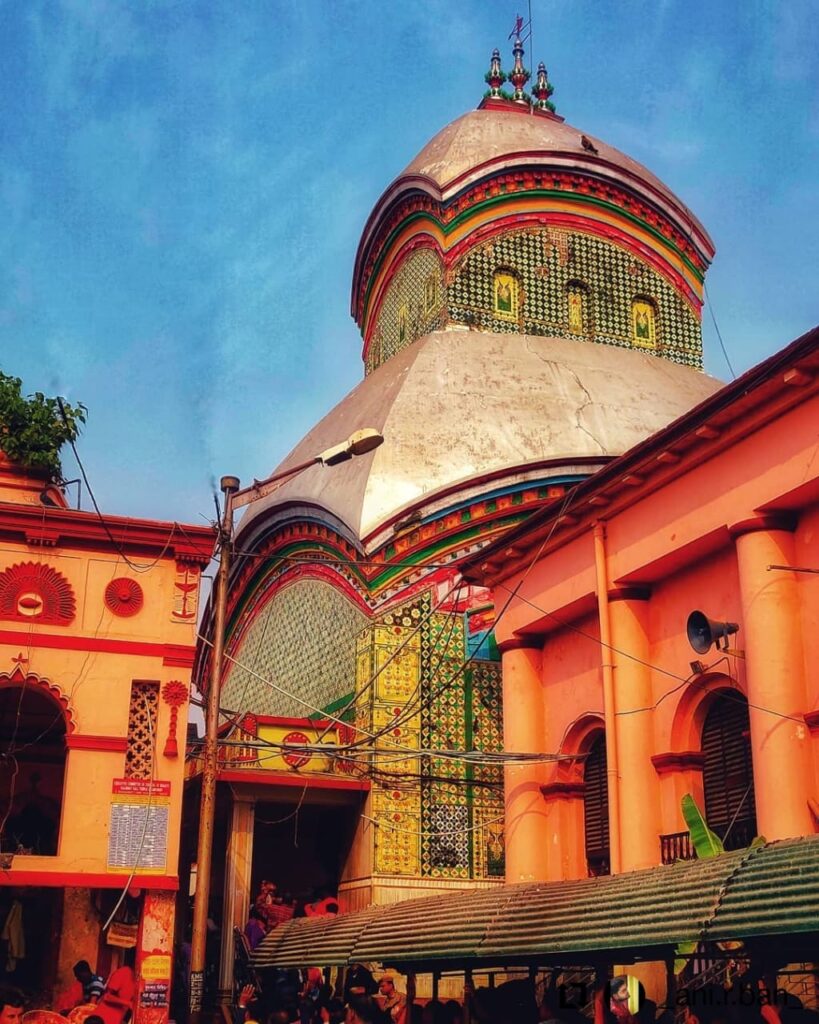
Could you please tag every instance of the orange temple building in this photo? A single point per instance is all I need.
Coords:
(529, 300)
(530, 304)
(97, 631)
(719, 512)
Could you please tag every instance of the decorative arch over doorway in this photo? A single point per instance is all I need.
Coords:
(693, 706)
(17, 677)
(586, 737)
(35, 720)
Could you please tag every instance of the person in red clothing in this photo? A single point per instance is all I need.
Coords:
(618, 1000)
(117, 1002)
(323, 905)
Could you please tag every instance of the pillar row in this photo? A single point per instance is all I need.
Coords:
(524, 731)
(772, 639)
(637, 783)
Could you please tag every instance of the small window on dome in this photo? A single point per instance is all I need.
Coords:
(506, 295)
(643, 324)
(577, 302)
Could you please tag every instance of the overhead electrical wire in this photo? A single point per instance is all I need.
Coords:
(368, 735)
(462, 668)
(386, 824)
(135, 566)
(691, 680)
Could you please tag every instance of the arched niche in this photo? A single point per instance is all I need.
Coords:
(34, 722)
(693, 706)
(578, 307)
(506, 294)
(644, 322)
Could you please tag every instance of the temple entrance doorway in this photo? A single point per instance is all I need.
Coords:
(302, 850)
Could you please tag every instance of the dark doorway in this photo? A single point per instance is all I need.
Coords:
(302, 851)
(32, 768)
(728, 778)
(39, 912)
(596, 808)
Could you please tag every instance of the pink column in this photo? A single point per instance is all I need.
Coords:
(771, 637)
(524, 731)
(639, 795)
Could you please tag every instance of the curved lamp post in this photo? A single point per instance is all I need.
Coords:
(359, 443)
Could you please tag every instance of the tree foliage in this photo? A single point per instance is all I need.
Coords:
(34, 428)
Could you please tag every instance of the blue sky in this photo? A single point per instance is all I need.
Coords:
(183, 185)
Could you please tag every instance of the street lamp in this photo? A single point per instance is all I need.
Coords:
(359, 443)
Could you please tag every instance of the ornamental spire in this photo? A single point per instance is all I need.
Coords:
(494, 76)
(519, 76)
(543, 90)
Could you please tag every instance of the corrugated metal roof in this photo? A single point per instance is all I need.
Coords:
(768, 890)
(776, 891)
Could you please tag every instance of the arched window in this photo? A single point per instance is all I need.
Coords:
(506, 295)
(32, 728)
(728, 778)
(596, 808)
(643, 324)
(577, 303)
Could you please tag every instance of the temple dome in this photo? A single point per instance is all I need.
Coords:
(485, 139)
(465, 412)
(502, 171)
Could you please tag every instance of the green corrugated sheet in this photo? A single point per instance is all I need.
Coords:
(770, 890)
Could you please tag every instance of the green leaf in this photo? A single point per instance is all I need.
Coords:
(683, 951)
(706, 843)
(33, 428)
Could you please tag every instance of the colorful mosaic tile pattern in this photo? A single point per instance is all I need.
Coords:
(422, 696)
(452, 847)
(389, 655)
(551, 263)
(414, 305)
(304, 640)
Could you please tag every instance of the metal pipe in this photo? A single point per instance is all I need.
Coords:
(207, 807)
(609, 711)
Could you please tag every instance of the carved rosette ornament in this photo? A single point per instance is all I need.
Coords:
(34, 591)
(519, 75)
(124, 597)
(174, 693)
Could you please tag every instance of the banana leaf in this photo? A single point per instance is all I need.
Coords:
(705, 842)
(683, 951)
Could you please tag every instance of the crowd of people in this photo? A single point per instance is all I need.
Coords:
(272, 908)
(307, 997)
(89, 999)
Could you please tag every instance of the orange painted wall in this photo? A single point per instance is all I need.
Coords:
(677, 533)
(87, 664)
(97, 687)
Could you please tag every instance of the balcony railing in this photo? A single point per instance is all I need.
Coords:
(678, 846)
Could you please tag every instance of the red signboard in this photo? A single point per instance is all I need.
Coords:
(141, 787)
